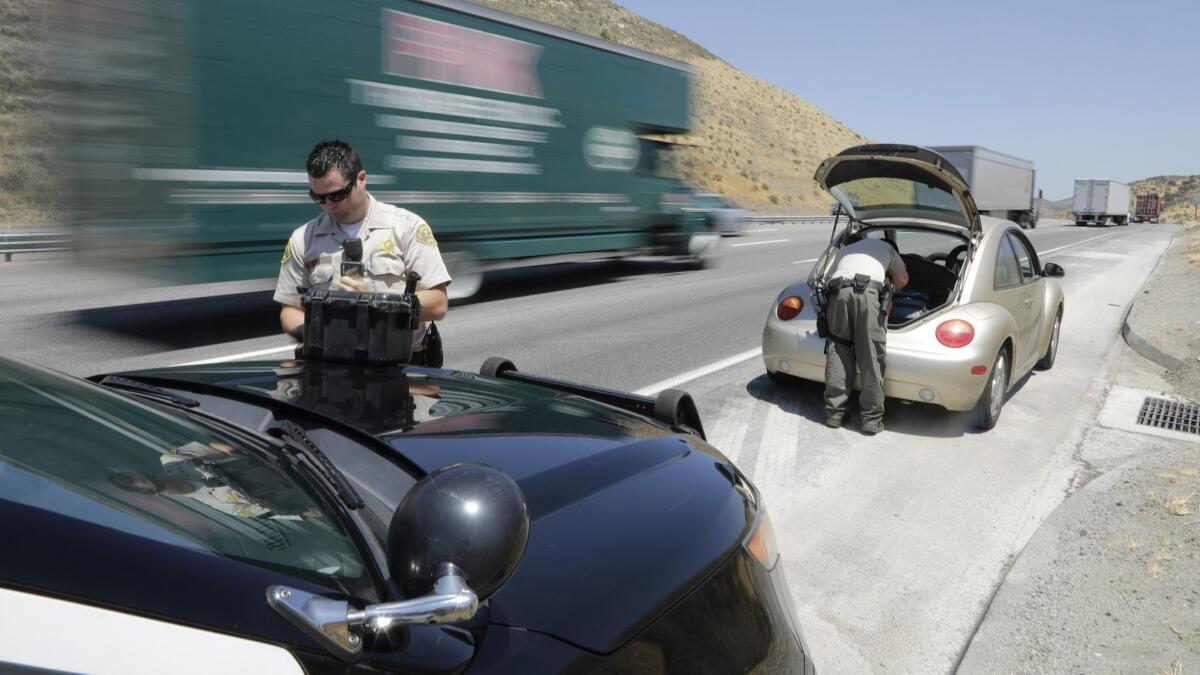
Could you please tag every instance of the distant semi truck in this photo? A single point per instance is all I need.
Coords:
(1002, 185)
(1101, 202)
(187, 124)
(1146, 208)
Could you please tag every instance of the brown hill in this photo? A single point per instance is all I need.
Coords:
(1176, 193)
(25, 174)
(762, 143)
(1057, 208)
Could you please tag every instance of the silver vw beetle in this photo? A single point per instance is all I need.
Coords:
(979, 312)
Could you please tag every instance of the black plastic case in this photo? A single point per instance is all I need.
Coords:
(353, 327)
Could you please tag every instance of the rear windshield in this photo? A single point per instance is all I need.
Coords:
(865, 195)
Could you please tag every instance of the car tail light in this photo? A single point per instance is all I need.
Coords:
(955, 333)
(789, 307)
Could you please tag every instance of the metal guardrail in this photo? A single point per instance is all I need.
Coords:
(35, 241)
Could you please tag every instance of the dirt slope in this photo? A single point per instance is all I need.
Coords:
(762, 143)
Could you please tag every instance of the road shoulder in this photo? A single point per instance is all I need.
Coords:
(1108, 582)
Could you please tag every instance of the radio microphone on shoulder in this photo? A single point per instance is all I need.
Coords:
(352, 250)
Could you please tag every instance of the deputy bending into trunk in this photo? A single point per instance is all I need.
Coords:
(394, 242)
(857, 330)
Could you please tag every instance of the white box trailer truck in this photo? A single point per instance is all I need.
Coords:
(1001, 184)
(1101, 202)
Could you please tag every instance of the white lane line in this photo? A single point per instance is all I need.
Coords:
(768, 229)
(798, 262)
(1097, 255)
(1060, 248)
(699, 372)
(235, 357)
(758, 243)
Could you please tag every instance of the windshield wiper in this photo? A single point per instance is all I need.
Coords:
(118, 382)
(310, 458)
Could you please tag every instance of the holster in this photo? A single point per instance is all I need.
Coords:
(431, 354)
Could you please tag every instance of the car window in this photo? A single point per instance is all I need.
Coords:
(1024, 259)
(1008, 270)
(925, 243)
(95, 455)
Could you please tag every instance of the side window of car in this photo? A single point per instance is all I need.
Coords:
(1024, 259)
(1008, 270)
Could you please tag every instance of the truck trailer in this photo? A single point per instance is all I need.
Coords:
(1146, 208)
(186, 124)
(1002, 185)
(1101, 202)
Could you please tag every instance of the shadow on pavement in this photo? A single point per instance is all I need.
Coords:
(535, 280)
(181, 324)
(806, 398)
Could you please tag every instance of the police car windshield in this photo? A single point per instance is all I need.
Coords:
(157, 472)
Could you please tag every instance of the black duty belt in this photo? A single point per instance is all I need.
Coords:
(859, 283)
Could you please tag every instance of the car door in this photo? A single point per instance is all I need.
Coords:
(1008, 291)
(1033, 288)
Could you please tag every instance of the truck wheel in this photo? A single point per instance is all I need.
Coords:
(1047, 360)
(466, 274)
(705, 249)
(986, 412)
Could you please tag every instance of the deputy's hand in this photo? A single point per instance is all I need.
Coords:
(351, 283)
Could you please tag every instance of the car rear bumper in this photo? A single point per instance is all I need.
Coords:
(938, 375)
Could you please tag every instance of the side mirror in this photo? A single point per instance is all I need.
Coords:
(456, 538)
(1053, 270)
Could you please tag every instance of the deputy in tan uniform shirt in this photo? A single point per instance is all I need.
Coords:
(394, 241)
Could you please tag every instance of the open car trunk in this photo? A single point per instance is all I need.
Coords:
(930, 287)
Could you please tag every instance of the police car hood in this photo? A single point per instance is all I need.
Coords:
(626, 515)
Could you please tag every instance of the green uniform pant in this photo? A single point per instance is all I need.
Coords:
(857, 321)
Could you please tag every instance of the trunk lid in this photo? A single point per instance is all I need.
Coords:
(884, 181)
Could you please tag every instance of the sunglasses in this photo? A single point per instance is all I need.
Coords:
(335, 196)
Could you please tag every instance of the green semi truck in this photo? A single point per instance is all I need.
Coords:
(186, 125)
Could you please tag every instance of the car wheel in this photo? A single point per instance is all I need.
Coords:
(1047, 360)
(986, 412)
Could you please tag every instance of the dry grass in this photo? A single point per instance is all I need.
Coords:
(1177, 476)
(1123, 543)
(1179, 506)
(1154, 568)
(1175, 668)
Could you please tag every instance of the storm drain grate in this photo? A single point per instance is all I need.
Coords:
(1163, 413)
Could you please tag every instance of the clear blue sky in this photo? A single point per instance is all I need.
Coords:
(1095, 89)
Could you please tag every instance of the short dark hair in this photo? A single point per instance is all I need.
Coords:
(334, 154)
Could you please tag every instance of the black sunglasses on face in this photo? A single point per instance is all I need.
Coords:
(336, 195)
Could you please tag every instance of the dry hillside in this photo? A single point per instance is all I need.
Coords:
(1176, 192)
(25, 174)
(762, 143)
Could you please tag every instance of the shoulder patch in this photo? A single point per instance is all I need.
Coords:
(425, 235)
(287, 252)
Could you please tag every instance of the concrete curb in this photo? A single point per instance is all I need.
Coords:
(1135, 340)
